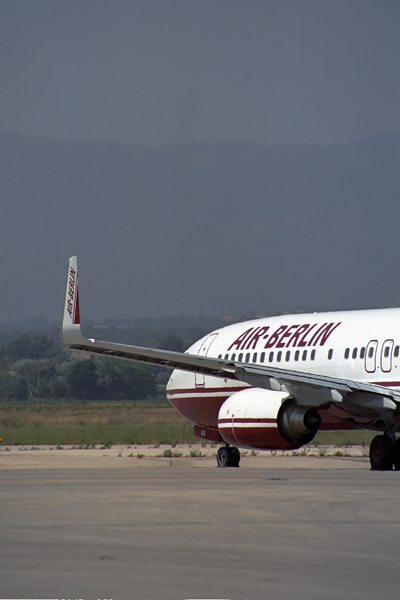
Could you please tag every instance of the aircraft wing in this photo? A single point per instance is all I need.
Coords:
(310, 389)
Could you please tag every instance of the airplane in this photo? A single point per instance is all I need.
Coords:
(272, 383)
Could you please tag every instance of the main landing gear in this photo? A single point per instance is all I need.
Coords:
(228, 456)
(384, 453)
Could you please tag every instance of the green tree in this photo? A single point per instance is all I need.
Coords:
(82, 379)
(11, 388)
(109, 378)
(33, 374)
(59, 382)
(26, 346)
(171, 342)
(125, 380)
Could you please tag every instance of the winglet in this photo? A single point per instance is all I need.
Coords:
(71, 328)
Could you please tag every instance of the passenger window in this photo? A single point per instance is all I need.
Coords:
(347, 353)
(330, 354)
(304, 357)
(233, 357)
(255, 357)
(371, 352)
(288, 356)
(240, 357)
(313, 355)
(271, 357)
(396, 351)
(262, 357)
(296, 355)
(219, 355)
(386, 353)
(226, 356)
(362, 352)
(279, 356)
(248, 357)
(354, 355)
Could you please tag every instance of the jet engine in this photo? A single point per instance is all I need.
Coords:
(296, 424)
(266, 420)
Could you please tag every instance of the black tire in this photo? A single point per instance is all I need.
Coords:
(224, 457)
(235, 456)
(397, 455)
(381, 453)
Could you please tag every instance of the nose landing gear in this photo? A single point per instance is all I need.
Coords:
(228, 456)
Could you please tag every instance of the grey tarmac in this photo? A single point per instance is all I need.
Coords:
(303, 527)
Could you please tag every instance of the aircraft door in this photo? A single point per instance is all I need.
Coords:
(386, 356)
(370, 356)
(199, 377)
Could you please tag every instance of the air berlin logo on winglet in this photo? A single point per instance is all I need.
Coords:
(295, 336)
(71, 293)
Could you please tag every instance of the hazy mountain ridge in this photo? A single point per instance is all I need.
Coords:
(377, 152)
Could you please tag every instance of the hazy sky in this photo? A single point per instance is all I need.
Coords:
(169, 71)
(199, 229)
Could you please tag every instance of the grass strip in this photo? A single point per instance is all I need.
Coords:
(122, 423)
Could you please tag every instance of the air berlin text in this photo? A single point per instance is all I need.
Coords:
(71, 291)
(293, 336)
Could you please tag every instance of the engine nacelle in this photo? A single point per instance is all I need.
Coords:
(265, 420)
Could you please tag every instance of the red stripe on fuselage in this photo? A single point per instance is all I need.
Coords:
(386, 383)
(247, 421)
(201, 405)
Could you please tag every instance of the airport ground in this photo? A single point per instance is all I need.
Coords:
(105, 523)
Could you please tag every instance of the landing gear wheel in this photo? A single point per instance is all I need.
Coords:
(228, 456)
(382, 453)
(224, 457)
(397, 455)
(235, 456)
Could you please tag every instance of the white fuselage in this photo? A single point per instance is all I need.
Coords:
(358, 345)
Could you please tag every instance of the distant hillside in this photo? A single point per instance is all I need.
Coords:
(145, 331)
(198, 228)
